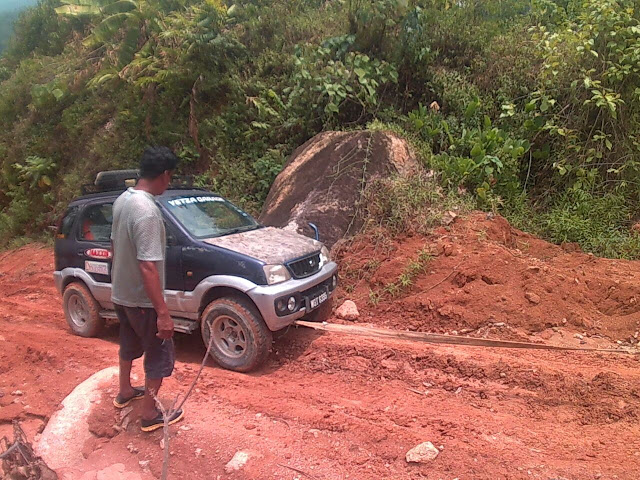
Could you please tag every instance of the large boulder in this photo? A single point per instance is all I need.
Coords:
(323, 180)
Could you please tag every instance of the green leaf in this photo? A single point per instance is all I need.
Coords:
(477, 150)
(608, 143)
(121, 6)
(57, 93)
(360, 72)
(78, 10)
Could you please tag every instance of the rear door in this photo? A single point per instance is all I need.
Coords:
(94, 240)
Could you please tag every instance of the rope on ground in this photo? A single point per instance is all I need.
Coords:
(446, 339)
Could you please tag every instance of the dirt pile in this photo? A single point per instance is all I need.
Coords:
(480, 274)
(322, 181)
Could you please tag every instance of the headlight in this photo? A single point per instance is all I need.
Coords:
(276, 273)
(324, 256)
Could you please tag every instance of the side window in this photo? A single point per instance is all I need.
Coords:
(95, 224)
(66, 224)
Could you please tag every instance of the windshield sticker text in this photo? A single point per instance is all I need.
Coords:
(188, 200)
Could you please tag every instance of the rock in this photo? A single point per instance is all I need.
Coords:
(348, 311)
(198, 452)
(449, 217)
(423, 453)
(144, 465)
(17, 393)
(132, 448)
(323, 179)
(62, 440)
(578, 336)
(434, 106)
(238, 461)
(532, 297)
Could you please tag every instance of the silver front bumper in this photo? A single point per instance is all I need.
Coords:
(265, 296)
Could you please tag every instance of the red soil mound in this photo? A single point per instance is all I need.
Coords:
(482, 272)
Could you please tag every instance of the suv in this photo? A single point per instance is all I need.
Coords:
(226, 274)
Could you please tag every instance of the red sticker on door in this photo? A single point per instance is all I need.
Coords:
(101, 253)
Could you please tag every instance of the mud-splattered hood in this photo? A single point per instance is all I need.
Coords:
(269, 245)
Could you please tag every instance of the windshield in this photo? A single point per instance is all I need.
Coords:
(209, 216)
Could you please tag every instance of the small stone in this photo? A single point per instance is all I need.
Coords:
(17, 393)
(162, 444)
(578, 336)
(132, 448)
(185, 428)
(503, 375)
(144, 464)
(449, 217)
(564, 321)
(532, 297)
(348, 311)
(423, 453)
(198, 452)
(315, 432)
(238, 461)
(250, 426)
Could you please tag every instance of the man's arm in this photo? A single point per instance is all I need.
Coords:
(151, 281)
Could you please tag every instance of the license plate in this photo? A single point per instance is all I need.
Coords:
(101, 268)
(318, 300)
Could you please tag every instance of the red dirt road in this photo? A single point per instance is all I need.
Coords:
(338, 407)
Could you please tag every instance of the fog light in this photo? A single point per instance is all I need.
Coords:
(291, 304)
(281, 306)
(334, 282)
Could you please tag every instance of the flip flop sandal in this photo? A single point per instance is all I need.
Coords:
(158, 422)
(121, 402)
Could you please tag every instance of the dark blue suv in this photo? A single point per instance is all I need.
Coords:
(226, 274)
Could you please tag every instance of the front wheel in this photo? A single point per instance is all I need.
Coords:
(240, 340)
(82, 311)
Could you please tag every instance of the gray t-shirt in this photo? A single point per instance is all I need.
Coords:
(137, 234)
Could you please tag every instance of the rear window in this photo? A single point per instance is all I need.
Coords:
(66, 224)
(96, 223)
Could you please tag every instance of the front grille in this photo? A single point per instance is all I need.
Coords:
(305, 267)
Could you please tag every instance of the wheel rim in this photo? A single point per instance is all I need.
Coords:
(78, 310)
(229, 337)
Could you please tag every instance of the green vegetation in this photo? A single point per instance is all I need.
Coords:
(528, 108)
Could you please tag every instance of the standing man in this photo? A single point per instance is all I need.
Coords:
(138, 280)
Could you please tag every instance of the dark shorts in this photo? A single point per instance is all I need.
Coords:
(138, 328)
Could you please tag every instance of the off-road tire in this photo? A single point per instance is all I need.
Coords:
(322, 313)
(82, 311)
(255, 334)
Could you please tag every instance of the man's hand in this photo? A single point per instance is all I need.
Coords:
(152, 286)
(165, 326)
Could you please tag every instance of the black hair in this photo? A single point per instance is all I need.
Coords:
(156, 160)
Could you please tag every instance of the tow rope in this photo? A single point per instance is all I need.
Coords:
(446, 339)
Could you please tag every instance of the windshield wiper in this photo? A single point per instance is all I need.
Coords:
(245, 228)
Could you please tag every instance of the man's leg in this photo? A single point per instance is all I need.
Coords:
(159, 359)
(130, 349)
(149, 410)
(126, 390)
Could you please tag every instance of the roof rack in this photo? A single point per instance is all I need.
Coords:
(120, 180)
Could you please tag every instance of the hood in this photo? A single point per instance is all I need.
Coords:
(269, 244)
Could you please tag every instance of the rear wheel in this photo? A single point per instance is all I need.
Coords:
(240, 340)
(81, 310)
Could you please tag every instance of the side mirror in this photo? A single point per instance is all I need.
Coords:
(315, 230)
